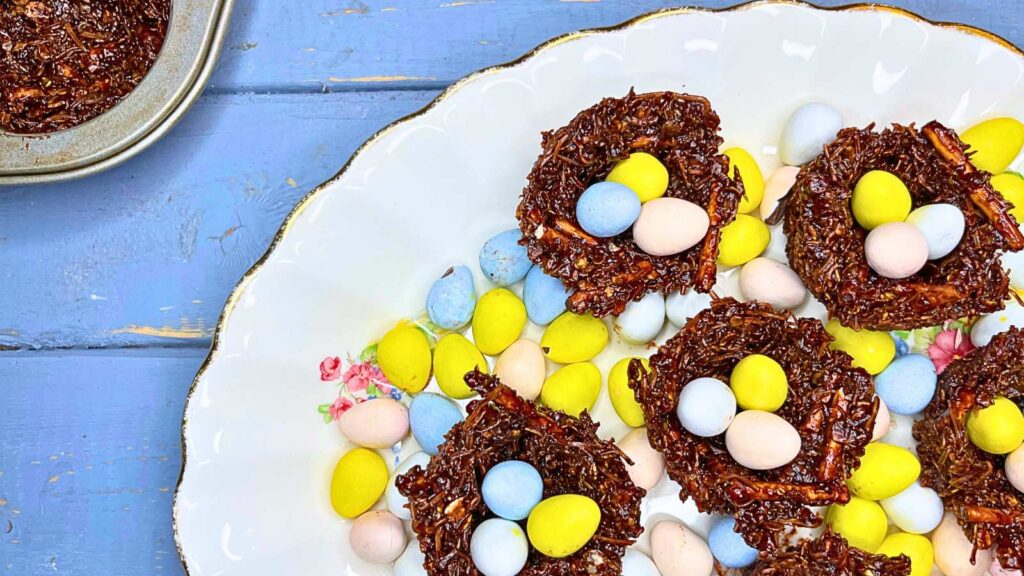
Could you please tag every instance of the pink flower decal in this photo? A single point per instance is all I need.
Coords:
(340, 406)
(363, 375)
(330, 368)
(949, 345)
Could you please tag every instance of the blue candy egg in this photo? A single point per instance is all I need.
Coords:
(907, 384)
(503, 260)
(431, 416)
(544, 296)
(728, 546)
(607, 209)
(452, 298)
(511, 489)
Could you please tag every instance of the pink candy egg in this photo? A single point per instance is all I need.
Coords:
(896, 250)
(953, 551)
(883, 420)
(678, 551)
(379, 423)
(777, 186)
(668, 226)
(761, 440)
(648, 464)
(377, 537)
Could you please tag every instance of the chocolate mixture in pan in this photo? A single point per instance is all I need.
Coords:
(447, 505)
(607, 273)
(972, 482)
(831, 405)
(63, 62)
(826, 246)
(830, 555)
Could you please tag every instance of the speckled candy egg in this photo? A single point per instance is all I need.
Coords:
(743, 239)
(431, 416)
(883, 421)
(511, 489)
(359, 479)
(668, 226)
(378, 423)
(1014, 466)
(994, 143)
(607, 209)
(392, 497)
(452, 298)
(953, 550)
(907, 384)
(766, 280)
(648, 464)
(499, 547)
(761, 440)
(896, 250)
(988, 326)
(1011, 186)
(681, 306)
(807, 131)
(521, 367)
(622, 397)
(914, 546)
(776, 188)
(706, 407)
(498, 320)
(574, 338)
(862, 522)
(942, 226)
(643, 173)
(728, 546)
(917, 510)
(885, 470)
(679, 551)
(997, 428)
(544, 296)
(870, 350)
(750, 172)
(641, 321)
(410, 563)
(636, 563)
(560, 525)
(503, 260)
(404, 356)
(454, 357)
(572, 388)
(378, 537)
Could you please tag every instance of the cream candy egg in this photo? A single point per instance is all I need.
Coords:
(636, 563)
(988, 326)
(942, 226)
(807, 131)
(953, 550)
(641, 321)
(410, 563)
(499, 547)
(378, 423)
(1014, 466)
(680, 307)
(896, 250)
(761, 440)
(648, 464)
(668, 226)
(678, 551)
(394, 499)
(917, 510)
(522, 368)
(776, 188)
(772, 282)
(378, 537)
(883, 421)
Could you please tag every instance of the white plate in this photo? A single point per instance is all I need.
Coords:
(360, 252)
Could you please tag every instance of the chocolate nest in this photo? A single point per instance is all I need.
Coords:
(826, 246)
(970, 481)
(829, 555)
(447, 506)
(831, 405)
(607, 273)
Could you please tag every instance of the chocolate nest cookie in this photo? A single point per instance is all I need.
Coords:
(607, 273)
(831, 405)
(972, 482)
(829, 555)
(826, 246)
(447, 506)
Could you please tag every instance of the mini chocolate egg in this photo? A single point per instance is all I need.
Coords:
(641, 321)
(883, 421)
(377, 423)
(862, 522)
(454, 357)
(643, 173)
(1011, 186)
(452, 298)
(411, 562)
(544, 296)
(521, 367)
(759, 383)
(503, 260)
(880, 197)
(560, 525)
(431, 416)
(498, 320)
(378, 537)
(404, 356)
(392, 497)
(574, 338)
(907, 384)
(988, 326)
(511, 489)
(358, 481)
(728, 545)
(681, 306)
(706, 407)
(622, 397)
(953, 550)
(914, 546)
(808, 129)
(750, 173)
(776, 188)
(743, 239)
(499, 547)
(1014, 467)
(572, 388)
(917, 510)
(942, 226)
(636, 563)
(679, 551)
(870, 350)
(668, 226)
(994, 143)
(997, 428)
(607, 209)
(761, 440)
(896, 250)
(648, 464)
(885, 470)
(766, 280)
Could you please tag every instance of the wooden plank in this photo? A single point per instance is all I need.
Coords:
(148, 252)
(90, 458)
(318, 45)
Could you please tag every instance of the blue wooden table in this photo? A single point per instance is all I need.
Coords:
(110, 286)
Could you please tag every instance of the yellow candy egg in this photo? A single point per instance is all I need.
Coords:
(623, 400)
(359, 480)
(997, 428)
(561, 525)
(498, 320)
(454, 357)
(914, 546)
(753, 180)
(862, 522)
(1011, 186)
(872, 351)
(759, 383)
(994, 143)
(574, 338)
(885, 470)
(880, 197)
(743, 239)
(643, 174)
(404, 357)
(572, 389)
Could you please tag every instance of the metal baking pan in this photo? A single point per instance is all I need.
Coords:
(189, 54)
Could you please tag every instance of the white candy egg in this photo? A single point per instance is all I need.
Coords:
(775, 188)
(410, 563)
(706, 407)
(641, 321)
(648, 464)
(668, 226)
(682, 307)
(378, 423)
(766, 280)
(395, 501)
(679, 551)
(987, 327)
(942, 226)
(378, 537)
(761, 440)
(636, 563)
(917, 509)
(499, 547)
(896, 250)
(807, 131)
(1014, 466)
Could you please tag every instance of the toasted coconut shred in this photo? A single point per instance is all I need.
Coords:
(972, 482)
(830, 555)
(607, 273)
